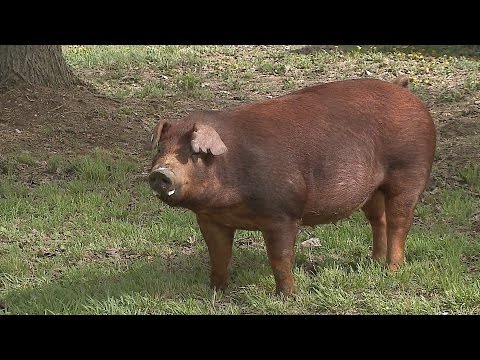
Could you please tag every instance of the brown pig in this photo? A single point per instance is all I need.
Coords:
(310, 157)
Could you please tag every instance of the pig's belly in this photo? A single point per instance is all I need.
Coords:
(313, 217)
(325, 207)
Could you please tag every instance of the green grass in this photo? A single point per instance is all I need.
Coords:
(100, 243)
(451, 96)
(458, 205)
(47, 131)
(54, 163)
(100, 166)
(152, 88)
(90, 238)
(8, 165)
(24, 157)
(471, 176)
(140, 71)
(121, 57)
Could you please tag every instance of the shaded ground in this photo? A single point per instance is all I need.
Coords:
(65, 121)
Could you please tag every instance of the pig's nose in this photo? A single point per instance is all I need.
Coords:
(160, 179)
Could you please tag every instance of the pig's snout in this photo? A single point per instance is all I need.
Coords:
(162, 181)
(159, 179)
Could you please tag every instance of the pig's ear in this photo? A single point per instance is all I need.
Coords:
(205, 139)
(157, 132)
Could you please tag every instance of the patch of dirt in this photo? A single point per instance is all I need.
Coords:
(471, 262)
(248, 243)
(476, 223)
(67, 121)
(458, 142)
(121, 254)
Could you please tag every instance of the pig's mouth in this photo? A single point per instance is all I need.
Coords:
(162, 181)
(170, 197)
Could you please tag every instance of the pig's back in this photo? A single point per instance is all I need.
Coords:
(338, 117)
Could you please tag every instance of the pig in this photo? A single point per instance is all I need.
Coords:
(313, 156)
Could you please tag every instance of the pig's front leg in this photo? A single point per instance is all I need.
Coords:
(280, 242)
(219, 241)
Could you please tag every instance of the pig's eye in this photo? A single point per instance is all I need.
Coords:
(198, 156)
(202, 158)
(195, 156)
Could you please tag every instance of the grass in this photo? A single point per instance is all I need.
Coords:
(471, 176)
(100, 243)
(54, 163)
(139, 71)
(25, 157)
(7, 165)
(91, 238)
(458, 205)
(451, 96)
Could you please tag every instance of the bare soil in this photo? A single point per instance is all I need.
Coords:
(66, 121)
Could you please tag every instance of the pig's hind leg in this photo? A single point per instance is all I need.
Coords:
(401, 197)
(374, 211)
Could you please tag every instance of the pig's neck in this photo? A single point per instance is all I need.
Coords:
(212, 189)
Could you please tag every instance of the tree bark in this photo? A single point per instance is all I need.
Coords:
(35, 65)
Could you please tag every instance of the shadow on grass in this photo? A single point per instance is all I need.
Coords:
(318, 264)
(181, 278)
(470, 51)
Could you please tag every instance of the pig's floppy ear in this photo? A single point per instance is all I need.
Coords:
(157, 132)
(205, 139)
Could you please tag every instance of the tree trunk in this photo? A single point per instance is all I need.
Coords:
(35, 64)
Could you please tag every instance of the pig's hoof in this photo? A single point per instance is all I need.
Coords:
(218, 286)
(379, 257)
(393, 266)
(285, 291)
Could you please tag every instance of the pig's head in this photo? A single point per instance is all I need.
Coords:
(185, 155)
